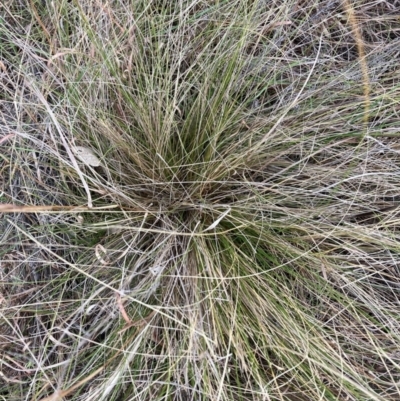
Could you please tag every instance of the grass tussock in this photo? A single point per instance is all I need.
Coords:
(238, 239)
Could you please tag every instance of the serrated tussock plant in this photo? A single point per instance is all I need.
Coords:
(232, 231)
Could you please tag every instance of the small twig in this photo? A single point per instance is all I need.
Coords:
(6, 137)
(122, 309)
(355, 26)
(101, 254)
(140, 322)
(11, 208)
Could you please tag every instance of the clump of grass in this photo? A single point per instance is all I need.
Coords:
(238, 240)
